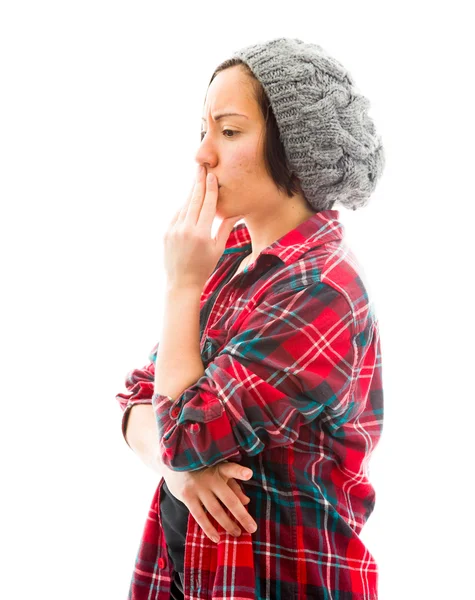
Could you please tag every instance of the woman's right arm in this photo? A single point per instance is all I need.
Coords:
(194, 488)
(142, 436)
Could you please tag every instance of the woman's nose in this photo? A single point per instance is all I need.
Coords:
(206, 153)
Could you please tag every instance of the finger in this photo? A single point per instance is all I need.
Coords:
(180, 216)
(230, 500)
(197, 510)
(183, 210)
(194, 205)
(213, 506)
(208, 206)
(230, 469)
(234, 485)
(175, 217)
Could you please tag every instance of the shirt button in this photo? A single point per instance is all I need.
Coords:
(175, 411)
(195, 427)
(161, 563)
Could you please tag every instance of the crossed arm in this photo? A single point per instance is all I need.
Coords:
(292, 357)
(178, 366)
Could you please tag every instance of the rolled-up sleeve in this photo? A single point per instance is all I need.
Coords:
(139, 384)
(292, 358)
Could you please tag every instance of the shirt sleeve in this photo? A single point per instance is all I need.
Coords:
(139, 384)
(291, 361)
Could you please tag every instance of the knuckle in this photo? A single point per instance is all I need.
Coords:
(234, 530)
(229, 525)
(233, 503)
(224, 520)
(216, 510)
(187, 493)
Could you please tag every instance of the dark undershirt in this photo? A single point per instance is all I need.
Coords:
(174, 516)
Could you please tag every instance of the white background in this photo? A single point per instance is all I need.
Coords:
(100, 107)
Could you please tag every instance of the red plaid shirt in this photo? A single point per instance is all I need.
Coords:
(293, 390)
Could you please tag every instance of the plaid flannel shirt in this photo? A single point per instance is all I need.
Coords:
(292, 389)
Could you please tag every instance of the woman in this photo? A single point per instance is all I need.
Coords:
(283, 375)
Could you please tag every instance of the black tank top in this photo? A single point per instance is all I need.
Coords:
(174, 514)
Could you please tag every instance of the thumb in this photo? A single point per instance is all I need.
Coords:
(235, 470)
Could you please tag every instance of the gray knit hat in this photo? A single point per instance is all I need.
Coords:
(330, 142)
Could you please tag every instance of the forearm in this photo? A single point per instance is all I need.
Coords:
(179, 364)
(142, 436)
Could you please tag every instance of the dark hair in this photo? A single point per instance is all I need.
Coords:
(274, 153)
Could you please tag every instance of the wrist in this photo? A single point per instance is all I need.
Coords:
(182, 287)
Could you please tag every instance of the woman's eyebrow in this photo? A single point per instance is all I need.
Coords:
(225, 114)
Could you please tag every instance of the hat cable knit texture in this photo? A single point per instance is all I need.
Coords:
(330, 141)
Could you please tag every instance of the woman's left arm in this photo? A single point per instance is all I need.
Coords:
(295, 355)
(178, 364)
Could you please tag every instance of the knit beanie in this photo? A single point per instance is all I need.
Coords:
(330, 141)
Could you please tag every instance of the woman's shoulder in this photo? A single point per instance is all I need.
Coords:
(334, 266)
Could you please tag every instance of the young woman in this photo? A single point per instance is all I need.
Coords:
(270, 353)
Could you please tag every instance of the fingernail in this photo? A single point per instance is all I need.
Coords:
(209, 178)
(246, 473)
(215, 539)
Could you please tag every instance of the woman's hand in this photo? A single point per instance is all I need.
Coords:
(190, 253)
(205, 488)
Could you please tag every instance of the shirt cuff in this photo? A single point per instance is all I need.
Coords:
(174, 408)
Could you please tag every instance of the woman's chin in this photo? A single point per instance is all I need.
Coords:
(220, 207)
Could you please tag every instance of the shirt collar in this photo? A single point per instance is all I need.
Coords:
(320, 228)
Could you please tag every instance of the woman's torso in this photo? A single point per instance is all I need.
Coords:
(312, 496)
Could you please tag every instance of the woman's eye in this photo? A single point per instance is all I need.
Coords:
(203, 133)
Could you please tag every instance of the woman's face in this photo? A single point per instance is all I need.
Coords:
(232, 147)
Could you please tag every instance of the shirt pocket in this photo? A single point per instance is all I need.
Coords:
(215, 341)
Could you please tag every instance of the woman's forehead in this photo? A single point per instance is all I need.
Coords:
(229, 94)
